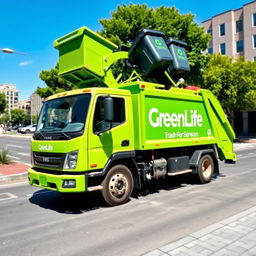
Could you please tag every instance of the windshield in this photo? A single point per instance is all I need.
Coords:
(64, 115)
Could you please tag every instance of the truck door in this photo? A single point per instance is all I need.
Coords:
(118, 138)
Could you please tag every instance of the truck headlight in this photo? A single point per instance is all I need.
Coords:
(71, 160)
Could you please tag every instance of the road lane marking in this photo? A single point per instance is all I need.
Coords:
(14, 157)
(24, 154)
(7, 196)
(13, 146)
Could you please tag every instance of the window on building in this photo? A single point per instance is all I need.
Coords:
(210, 50)
(239, 26)
(254, 41)
(254, 19)
(222, 29)
(254, 58)
(223, 48)
(240, 46)
(209, 31)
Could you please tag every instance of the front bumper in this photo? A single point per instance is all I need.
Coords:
(55, 182)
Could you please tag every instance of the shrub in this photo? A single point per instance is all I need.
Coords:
(4, 159)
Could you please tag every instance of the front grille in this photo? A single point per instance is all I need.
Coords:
(52, 160)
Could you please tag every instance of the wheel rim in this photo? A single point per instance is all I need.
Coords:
(118, 185)
(206, 168)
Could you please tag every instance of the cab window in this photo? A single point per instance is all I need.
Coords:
(119, 112)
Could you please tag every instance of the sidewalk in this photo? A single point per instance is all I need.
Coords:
(233, 236)
(13, 172)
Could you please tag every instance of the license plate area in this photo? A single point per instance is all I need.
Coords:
(42, 181)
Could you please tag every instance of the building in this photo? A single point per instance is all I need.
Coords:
(24, 105)
(36, 104)
(233, 33)
(11, 95)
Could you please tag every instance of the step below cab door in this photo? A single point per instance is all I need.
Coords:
(106, 138)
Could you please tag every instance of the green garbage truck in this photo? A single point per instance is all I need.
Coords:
(119, 132)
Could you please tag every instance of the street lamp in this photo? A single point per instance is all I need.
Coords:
(10, 51)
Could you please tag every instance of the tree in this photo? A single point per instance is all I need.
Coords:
(128, 20)
(233, 82)
(2, 103)
(34, 118)
(54, 82)
(19, 116)
(4, 118)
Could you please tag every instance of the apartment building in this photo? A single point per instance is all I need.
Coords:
(24, 105)
(233, 33)
(11, 95)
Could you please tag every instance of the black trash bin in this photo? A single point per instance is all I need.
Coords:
(150, 52)
(179, 65)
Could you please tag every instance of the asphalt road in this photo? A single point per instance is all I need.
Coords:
(18, 146)
(39, 222)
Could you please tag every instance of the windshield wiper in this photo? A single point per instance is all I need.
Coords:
(38, 133)
(67, 136)
(53, 129)
(49, 128)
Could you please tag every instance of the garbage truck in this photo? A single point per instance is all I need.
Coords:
(119, 132)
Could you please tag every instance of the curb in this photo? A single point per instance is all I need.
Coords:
(13, 178)
(245, 140)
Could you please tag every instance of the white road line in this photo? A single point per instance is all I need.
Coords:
(6, 196)
(14, 157)
(247, 156)
(23, 154)
(13, 146)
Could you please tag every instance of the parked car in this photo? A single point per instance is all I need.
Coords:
(20, 127)
(28, 129)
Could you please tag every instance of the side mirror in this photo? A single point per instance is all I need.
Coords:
(108, 104)
(108, 116)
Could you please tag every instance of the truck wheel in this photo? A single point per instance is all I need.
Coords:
(117, 185)
(205, 169)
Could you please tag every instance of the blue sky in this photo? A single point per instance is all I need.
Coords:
(31, 26)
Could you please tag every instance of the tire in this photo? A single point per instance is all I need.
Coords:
(205, 169)
(117, 185)
(27, 131)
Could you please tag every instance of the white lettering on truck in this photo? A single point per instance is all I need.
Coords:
(45, 147)
(187, 119)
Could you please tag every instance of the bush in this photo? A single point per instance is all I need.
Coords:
(4, 159)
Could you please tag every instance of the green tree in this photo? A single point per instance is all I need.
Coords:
(233, 82)
(19, 116)
(128, 20)
(2, 103)
(54, 82)
(4, 118)
(34, 119)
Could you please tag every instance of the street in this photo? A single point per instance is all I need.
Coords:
(39, 222)
(18, 146)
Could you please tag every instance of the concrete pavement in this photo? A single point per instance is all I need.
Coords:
(232, 236)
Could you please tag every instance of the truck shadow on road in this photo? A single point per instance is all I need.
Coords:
(79, 203)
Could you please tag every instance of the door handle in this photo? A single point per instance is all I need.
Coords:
(125, 143)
